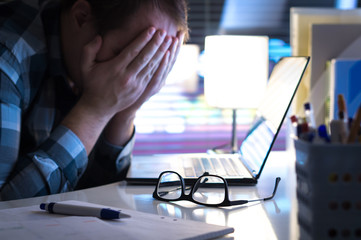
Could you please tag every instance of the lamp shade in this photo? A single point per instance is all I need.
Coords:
(236, 70)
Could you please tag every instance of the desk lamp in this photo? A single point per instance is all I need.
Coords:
(236, 74)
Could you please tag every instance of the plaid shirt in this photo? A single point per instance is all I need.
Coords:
(38, 156)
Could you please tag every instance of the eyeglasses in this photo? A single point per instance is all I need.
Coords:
(209, 190)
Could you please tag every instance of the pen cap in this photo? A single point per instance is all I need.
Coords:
(307, 106)
(310, 119)
(109, 214)
(293, 119)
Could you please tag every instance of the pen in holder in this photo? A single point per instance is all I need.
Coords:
(328, 190)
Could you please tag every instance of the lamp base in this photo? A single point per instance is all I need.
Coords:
(233, 145)
(223, 149)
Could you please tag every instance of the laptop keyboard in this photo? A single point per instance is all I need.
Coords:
(195, 167)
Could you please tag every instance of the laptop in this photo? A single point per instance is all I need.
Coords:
(244, 167)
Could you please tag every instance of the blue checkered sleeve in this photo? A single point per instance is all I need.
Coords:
(55, 166)
(38, 156)
(107, 163)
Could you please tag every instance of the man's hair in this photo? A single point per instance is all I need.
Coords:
(111, 14)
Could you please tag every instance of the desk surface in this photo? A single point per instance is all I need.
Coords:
(275, 219)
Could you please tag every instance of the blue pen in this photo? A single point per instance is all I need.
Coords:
(323, 134)
(76, 210)
(309, 115)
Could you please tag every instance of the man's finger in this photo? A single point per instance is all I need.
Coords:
(172, 55)
(180, 37)
(152, 53)
(157, 79)
(129, 53)
(146, 69)
(166, 71)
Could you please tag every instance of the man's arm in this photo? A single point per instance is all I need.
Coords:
(44, 170)
(121, 125)
(59, 162)
(112, 86)
(52, 168)
(105, 161)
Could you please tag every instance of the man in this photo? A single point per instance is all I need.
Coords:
(72, 76)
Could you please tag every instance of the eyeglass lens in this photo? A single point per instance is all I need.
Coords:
(207, 190)
(169, 186)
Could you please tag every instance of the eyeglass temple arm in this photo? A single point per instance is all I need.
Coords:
(240, 202)
(278, 179)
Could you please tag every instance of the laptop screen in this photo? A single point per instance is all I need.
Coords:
(281, 88)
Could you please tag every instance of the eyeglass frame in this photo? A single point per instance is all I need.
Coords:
(189, 197)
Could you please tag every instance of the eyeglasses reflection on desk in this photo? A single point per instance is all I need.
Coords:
(208, 190)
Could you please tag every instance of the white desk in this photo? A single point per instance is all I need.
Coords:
(275, 219)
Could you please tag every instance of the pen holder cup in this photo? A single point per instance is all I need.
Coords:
(328, 190)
